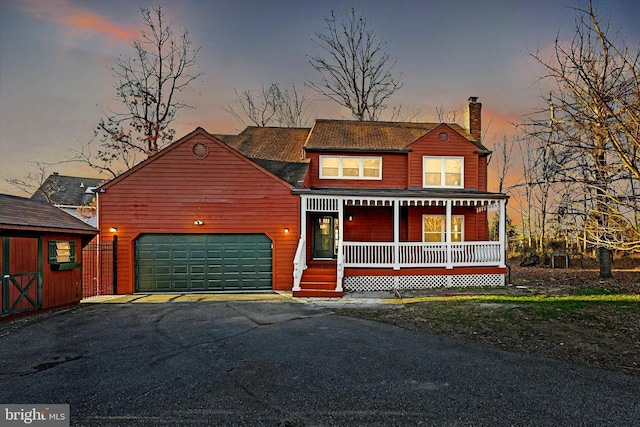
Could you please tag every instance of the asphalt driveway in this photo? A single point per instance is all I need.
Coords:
(285, 363)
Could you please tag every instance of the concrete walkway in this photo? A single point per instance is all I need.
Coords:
(364, 299)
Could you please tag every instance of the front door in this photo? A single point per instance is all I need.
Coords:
(325, 237)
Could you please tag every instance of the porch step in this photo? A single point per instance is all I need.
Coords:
(319, 275)
(318, 282)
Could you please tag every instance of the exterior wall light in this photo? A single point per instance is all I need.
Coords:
(286, 230)
(113, 230)
(350, 218)
(198, 222)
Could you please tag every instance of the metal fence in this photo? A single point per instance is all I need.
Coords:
(99, 269)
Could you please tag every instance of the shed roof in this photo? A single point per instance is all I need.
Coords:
(67, 190)
(20, 213)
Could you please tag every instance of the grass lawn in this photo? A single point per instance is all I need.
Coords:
(564, 317)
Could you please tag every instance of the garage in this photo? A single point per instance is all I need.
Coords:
(203, 262)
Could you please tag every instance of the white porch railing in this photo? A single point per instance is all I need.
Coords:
(476, 253)
(368, 254)
(419, 254)
(299, 263)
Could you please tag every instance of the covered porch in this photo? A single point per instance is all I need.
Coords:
(404, 239)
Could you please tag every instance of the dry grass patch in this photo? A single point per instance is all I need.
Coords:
(563, 314)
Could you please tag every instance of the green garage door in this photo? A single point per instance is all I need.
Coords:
(202, 262)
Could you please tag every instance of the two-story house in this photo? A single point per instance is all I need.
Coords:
(72, 194)
(345, 205)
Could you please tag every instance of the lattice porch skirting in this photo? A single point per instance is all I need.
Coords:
(386, 283)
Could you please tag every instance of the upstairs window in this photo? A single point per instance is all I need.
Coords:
(350, 167)
(443, 172)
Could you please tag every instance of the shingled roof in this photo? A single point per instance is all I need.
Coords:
(351, 134)
(67, 190)
(268, 143)
(278, 150)
(19, 213)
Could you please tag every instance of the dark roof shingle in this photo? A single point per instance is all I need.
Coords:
(67, 190)
(278, 150)
(22, 213)
(282, 144)
(363, 135)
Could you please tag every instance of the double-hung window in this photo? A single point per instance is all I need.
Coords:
(350, 167)
(443, 172)
(434, 231)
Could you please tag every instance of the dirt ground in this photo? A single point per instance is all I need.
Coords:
(602, 334)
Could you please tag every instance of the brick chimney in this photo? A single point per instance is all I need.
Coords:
(473, 118)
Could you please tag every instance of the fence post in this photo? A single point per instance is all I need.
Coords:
(115, 264)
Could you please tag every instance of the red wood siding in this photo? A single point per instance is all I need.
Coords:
(226, 191)
(60, 288)
(482, 173)
(394, 172)
(456, 146)
(373, 224)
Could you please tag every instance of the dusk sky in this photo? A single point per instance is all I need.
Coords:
(55, 56)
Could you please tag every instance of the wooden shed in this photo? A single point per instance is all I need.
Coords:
(40, 256)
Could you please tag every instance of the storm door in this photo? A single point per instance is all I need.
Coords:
(325, 237)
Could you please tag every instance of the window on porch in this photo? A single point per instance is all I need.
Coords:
(434, 231)
(443, 172)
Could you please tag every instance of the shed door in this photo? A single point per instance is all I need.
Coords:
(202, 262)
(20, 274)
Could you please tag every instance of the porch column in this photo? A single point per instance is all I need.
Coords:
(340, 256)
(447, 233)
(303, 217)
(300, 258)
(502, 232)
(396, 234)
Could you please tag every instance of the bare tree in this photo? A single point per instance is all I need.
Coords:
(148, 85)
(357, 70)
(272, 106)
(595, 127)
(399, 113)
(292, 108)
(444, 116)
(503, 159)
(256, 109)
(33, 182)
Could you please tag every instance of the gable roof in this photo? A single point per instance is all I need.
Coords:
(363, 135)
(67, 190)
(213, 138)
(20, 213)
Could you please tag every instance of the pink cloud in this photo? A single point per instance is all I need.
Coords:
(79, 20)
